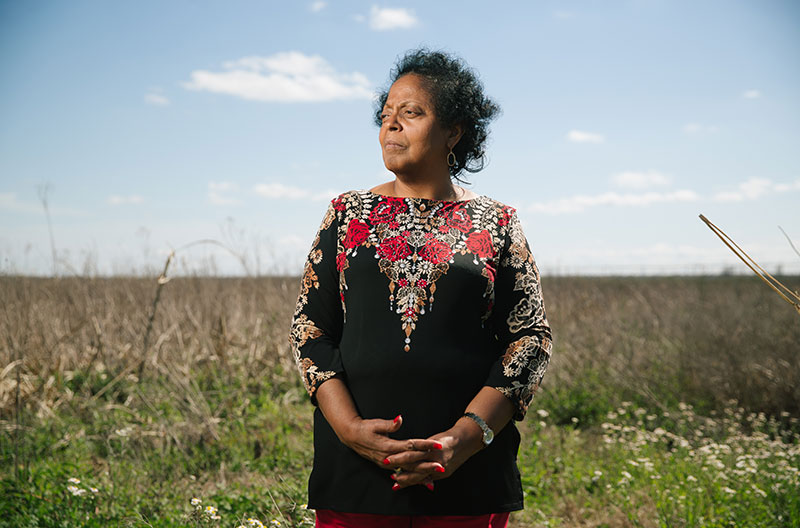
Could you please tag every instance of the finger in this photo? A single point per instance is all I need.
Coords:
(415, 445)
(386, 426)
(419, 444)
(426, 468)
(406, 479)
(408, 458)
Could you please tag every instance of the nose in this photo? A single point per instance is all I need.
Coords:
(391, 122)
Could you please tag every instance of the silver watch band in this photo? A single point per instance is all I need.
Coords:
(488, 434)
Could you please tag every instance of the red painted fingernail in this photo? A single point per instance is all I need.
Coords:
(437, 445)
(386, 462)
(392, 476)
(397, 418)
(439, 469)
(429, 485)
(396, 486)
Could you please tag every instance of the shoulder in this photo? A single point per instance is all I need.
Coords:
(342, 201)
(502, 213)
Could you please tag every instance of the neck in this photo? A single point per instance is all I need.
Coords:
(439, 189)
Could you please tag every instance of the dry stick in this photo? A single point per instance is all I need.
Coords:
(43, 190)
(790, 241)
(761, 272)
(17, 408)
(162, 280)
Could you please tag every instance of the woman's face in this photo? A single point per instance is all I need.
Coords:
(412, 140)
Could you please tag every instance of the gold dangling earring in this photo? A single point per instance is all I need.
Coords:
(451, 159)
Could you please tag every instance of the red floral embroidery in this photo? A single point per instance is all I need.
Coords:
(394, 248)
(341, 259)
(357, 232)
(506, 212)
(491, 270)
(338, 203)
(415, 248)
(480, 243)
(387, 209)
(458, 218)
(436, 251)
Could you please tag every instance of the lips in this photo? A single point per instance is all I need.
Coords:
(391, 145)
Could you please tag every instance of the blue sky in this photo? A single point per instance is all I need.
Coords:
(155, 124)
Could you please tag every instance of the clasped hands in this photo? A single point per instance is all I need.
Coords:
(414, 461)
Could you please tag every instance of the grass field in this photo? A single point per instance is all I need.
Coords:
(669, 402)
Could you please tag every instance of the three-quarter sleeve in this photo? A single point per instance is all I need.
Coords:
(519, 321)
(316, 327)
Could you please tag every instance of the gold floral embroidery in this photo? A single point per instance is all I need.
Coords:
(519, 353)
(302, 330)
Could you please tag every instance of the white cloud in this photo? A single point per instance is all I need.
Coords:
(640, 180)
(287, 77)
(156, 99)
(698, 128)
(751, 94)
(581, 202)
(755, 188)
(787, 187)
(316, 7)
(387, 18)
(288, 192)
(578, 136)
(116, 199)
(279, 190)
(217, 193)
(9, 202)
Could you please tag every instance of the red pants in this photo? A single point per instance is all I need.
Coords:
(332, 519)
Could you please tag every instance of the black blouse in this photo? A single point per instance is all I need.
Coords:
(417, 304)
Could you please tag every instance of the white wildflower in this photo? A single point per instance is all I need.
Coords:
(76, 490)
(195, 501)
(73, 480)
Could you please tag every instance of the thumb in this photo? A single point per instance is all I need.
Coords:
(389, 426)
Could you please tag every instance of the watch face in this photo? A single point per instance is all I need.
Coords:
(488, 436)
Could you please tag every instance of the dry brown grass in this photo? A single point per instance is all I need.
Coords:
(714, 338)
(707, 338)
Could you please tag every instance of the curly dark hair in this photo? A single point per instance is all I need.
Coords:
(458, 98)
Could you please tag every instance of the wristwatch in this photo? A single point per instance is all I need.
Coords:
(488, 434)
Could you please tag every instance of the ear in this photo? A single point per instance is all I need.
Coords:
(455, 133)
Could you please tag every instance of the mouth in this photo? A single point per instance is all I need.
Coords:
(390, 145)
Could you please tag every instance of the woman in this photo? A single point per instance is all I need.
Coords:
(420, 331)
